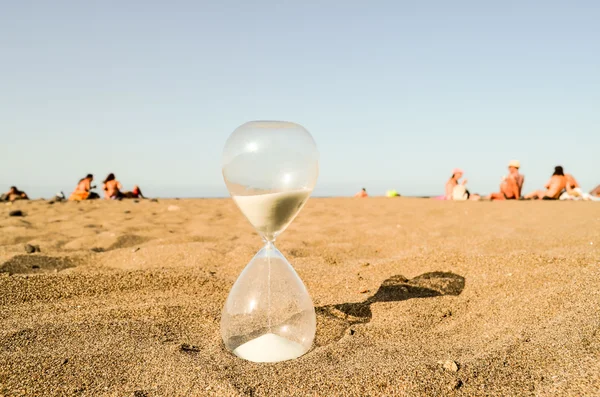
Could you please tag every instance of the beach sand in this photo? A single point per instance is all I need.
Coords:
(413, 297)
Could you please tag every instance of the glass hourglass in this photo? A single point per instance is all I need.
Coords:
(270, 169)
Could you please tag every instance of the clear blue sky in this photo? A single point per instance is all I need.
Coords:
(395, 93)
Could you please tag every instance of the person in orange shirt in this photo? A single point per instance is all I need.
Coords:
(362, 193)
(82, 191)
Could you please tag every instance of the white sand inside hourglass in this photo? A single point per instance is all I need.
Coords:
(269, 348)
(273, 211)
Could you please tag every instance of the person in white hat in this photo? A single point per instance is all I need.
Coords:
(512, 184)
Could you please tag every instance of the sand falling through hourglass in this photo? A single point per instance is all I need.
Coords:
(270, 169)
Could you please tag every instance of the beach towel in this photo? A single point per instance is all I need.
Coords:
(578, 194)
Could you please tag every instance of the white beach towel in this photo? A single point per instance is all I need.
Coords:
(578, 194)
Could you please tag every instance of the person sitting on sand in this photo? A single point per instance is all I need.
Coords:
(135, 193)
(362, 193)
(456, 190)
(554, 187)
(14, 194)
(82, 191)
(452, 193)
(112, 187)
(453, 183)
(512, 184)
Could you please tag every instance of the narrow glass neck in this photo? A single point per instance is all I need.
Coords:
(269, 244)
(268, 239)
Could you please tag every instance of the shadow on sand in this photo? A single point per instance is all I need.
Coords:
(334, 320)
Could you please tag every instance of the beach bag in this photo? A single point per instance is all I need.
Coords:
(460, 193)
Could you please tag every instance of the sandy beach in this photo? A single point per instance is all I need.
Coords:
(413, 297)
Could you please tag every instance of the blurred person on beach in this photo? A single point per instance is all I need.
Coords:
(596, 191)
(362, 193)
(455, 182)
(512, 184)
(134, 194)
(83, 190)
(112, 187)
(554, 187)
(14, 194)
(456, 189)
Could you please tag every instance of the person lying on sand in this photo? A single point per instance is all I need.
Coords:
(362, 193)
(82, 191)
(554, 187)
(135, 193)
(511, 186)
(112, 187)
(14, 194)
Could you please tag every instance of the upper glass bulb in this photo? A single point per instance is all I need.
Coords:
(270, 169)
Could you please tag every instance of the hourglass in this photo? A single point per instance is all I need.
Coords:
(270, 169)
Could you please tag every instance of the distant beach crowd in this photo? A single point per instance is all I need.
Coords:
(561, 186)
(113, 190)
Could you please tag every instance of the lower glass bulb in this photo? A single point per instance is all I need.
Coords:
(268, 315)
